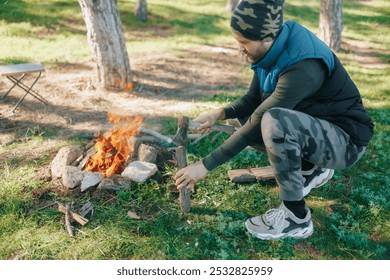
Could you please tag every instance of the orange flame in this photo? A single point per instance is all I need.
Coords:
(129, 87)
(112, 152)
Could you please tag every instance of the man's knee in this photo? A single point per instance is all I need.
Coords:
(270, 124)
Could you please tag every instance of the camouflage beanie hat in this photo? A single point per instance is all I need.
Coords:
(258, 19)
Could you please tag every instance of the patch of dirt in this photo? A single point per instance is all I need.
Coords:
(361, 53)
(165, 85)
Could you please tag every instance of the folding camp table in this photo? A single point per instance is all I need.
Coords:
(16, 73)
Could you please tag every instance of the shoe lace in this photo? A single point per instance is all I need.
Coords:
(275, 217)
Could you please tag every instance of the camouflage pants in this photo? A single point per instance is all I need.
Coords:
(290, 136)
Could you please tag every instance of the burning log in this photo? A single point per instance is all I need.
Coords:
(112, 152)
(90, 152)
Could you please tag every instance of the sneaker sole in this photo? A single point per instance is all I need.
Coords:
(323, 179)
(299, 233)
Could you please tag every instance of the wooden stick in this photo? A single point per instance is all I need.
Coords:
(151, 138)
(184, 193)
(46, 206)
(250, 175)
(67, 221)
(181, 136)
(200, 138)
(156, 134)
(78, 218)
(229, 129)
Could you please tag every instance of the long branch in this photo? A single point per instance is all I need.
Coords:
(156, 134)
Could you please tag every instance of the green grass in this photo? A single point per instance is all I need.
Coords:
(351, 213)
(54, 31)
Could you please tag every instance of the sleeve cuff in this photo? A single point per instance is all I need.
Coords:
(229, 113)
(209, 162)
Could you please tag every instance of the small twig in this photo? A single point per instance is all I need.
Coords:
(95, 229)
(79, 230)
(11, 142)
(46, 206)
(67, 221)
(109, 200)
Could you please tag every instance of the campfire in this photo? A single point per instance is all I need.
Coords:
(123, 154)
(111, 161)
(112, 148)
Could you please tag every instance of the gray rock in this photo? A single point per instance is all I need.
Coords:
(91, 179)
(72, 177)
(115, 182)
(64, 157)
(147, 153)
(139, 171)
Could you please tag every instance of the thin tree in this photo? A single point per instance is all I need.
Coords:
(231, 4)
(331, 23)
(107, 43)
(141, 10)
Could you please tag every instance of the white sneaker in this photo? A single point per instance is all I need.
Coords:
(315, 178)
(280, 223)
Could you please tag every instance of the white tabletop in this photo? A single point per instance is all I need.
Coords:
(22, 68)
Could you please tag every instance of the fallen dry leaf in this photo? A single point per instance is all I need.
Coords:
(133, 215)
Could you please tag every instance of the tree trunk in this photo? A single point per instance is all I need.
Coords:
(107, 43)
(331, 23)
(141, 10)
(231, 4)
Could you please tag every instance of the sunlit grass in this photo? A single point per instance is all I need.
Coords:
(351, 212)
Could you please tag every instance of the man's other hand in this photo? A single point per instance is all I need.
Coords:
(189, 175)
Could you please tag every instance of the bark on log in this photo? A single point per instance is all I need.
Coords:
(107, 43)
(67, 221)
(184, 193)
(181, 136)
(251, 175)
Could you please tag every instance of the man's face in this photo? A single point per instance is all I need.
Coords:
(252, 51)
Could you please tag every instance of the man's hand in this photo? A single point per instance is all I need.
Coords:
(189, 175)
(208, 120)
